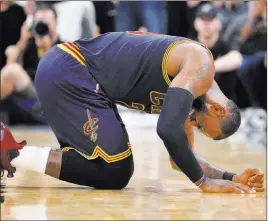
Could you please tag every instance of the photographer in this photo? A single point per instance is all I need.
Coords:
(37, 36)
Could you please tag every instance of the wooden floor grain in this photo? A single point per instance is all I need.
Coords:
(155, 192)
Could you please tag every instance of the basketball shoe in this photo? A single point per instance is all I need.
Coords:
(9, 149)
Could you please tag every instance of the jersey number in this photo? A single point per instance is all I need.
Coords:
(156, 99)
(134, 106)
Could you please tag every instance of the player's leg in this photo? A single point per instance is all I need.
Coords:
(67, 166)
(95, 173)
(98, 154)
(15, 79)
(109, 166)
(84, 120)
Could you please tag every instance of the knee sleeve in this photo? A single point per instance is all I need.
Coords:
(118, 174)
(96, 173)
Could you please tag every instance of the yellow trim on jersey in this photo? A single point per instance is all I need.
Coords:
(98, 152)
(63, 47)
(167, 53)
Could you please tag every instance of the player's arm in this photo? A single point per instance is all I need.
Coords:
(195, 74)
(190, 137)
(209, 170)
(252, 177)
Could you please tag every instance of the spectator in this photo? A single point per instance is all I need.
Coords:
(254, 32)
(76, 20)
(230, 9)
(253, 75)
(233, 31)
(208, 27)
(105, 15)
(12, 17)
(257, 10)
(178, 18)
(237, 13)
(253, 72)
(151, 15)
(227, 10)
(227, 61)
(17, 77)
(192, 7)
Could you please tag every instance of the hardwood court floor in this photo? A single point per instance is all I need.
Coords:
(156, 192)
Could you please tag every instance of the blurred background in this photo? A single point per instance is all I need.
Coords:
(235, 32)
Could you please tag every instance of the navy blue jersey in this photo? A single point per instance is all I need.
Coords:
(131, 66)
(131, 70)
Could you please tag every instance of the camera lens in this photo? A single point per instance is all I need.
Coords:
(41, 29)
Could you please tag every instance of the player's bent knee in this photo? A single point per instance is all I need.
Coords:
(115, 184)
(117, 176)
(96, 173)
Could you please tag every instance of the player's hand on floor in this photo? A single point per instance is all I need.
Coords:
(253, 178)
(225, 186)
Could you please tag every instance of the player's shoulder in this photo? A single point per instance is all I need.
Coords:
(197, 48)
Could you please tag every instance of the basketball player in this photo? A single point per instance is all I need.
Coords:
(79, 83)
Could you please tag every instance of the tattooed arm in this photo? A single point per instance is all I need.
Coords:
(209, 170)
(253, 178)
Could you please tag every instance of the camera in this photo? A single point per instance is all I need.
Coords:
(40, 29)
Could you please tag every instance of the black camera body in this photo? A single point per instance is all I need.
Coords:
(40, 29)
